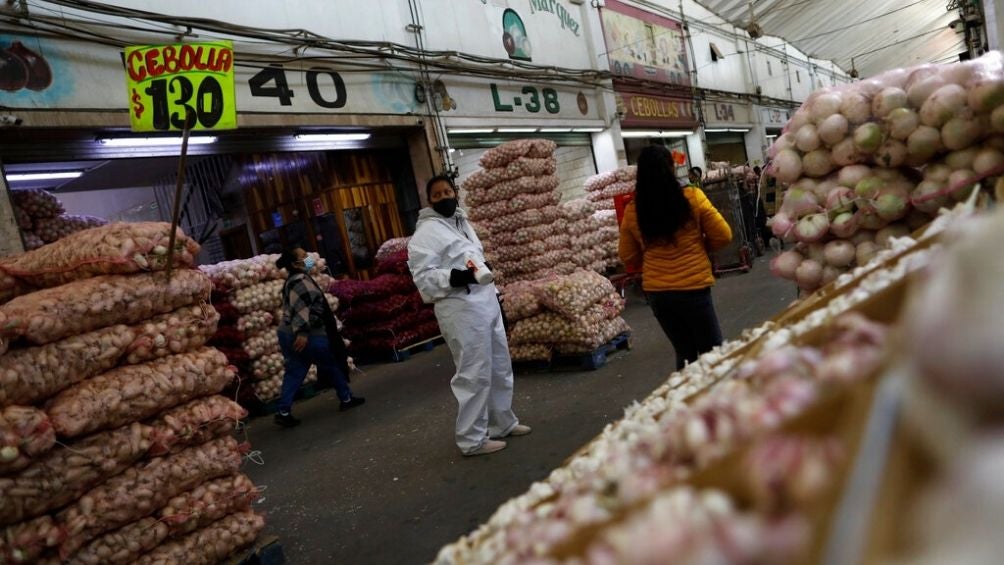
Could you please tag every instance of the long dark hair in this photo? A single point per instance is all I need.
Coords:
(662, 207)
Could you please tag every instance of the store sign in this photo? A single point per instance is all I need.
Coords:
(470, 97)
(642, 110)
(774, 117)
(726, 113)
(167, 84)
(645, 46)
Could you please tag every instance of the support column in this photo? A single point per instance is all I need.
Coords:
(10, 234)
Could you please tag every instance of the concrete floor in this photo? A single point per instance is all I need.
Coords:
(385, 484)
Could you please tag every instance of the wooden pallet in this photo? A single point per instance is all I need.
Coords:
(267, 551)
(589, 361)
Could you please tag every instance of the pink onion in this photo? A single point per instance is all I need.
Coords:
(987, 95)
(902, 122)
(785, 264)
(845, 153)
(887, 101)
(988, 159)
(825, 187)
(839, 253)
(868, 137)
(833, 129)
(809, 274)
(817, 163)
(844, 225)
(924, 143)
(806, 138)
(824, 106)
(865, 251)
(891, 154)
(946, 103)
(840, 200)
(787, 166)
(781, 225)
(798, 202)
(856, 107)
(812, 228)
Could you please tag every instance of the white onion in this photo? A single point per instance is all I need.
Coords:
(840, 200)
(785, 264)
(787, 166)
(961, 178)
(817, 163)
(962, 159)
(987, 95)
(863, 236)
(798, 119)
(824, 106)
(845, 153)
(844, 225)
(938, 172)
(902, 122)
(887, 101)
(891, 154)
(850, 176)
(946, 103)
(833, 129)
(806, 138)
(839, 253)
(997, 120)
(926, 188)
(924, 143)
(856, 107)
(809, 274)
(887, 233)
(869, 187)
(892, 204)
(831, 273)
(812, 228)
(959, 133)
(865, 251)
(868, 137)
(814, 251)
(918, 91)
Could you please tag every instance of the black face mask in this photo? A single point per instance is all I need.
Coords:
(446, 207)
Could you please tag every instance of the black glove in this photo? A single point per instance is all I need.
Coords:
(463, 278)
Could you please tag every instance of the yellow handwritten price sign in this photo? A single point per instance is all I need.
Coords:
(168, 82)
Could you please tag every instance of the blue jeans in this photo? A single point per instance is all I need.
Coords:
(317, 353)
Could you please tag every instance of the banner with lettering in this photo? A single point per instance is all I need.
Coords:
(166, 83)
(643, 45)
(656, 112)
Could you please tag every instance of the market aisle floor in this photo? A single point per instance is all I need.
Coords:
(384, 483)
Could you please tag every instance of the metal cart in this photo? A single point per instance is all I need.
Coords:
(724, 194)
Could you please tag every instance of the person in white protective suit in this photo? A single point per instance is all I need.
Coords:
(446, 259)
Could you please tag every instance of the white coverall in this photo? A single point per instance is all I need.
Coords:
(470, 321)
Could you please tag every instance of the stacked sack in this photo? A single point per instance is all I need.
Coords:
(513, 201)
(593, 234)
(248, 295)
(877, 158)
(41, 217)
(386, 313)
(115, 446)
(567, 314)
(602, 188)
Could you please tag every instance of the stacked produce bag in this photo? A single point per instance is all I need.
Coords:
(564, 314)
(513, 201)
(42, 218)
(593, 235)
(386, 313)
(601, 189)
(877, 158)
(248, 296)
(115, 446)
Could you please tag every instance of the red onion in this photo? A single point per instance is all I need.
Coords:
(844, 225)
(798, 202)
(785, 264)
(840, 200)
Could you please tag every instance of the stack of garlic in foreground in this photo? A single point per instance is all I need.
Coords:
(116, 444)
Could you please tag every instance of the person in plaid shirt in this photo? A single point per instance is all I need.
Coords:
(308, 335)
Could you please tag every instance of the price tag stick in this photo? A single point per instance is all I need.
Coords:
(178, 188)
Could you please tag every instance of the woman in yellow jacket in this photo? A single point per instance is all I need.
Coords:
(667, 231)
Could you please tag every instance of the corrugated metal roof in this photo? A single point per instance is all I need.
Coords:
(878, 34)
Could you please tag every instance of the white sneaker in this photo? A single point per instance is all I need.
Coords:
(519, 430)
(490, 446)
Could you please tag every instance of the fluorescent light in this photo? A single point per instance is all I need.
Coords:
(308, 137)
(770, 136)
(55, 175)
(451, 150)
(471, 130)
(555, 130)
(733, 130)
(655, 133)
(587, 130)
(517, 130)
(723, 130)
(155, 141)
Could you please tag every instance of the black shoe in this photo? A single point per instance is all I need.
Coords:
(286, 420)
(356, 401)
